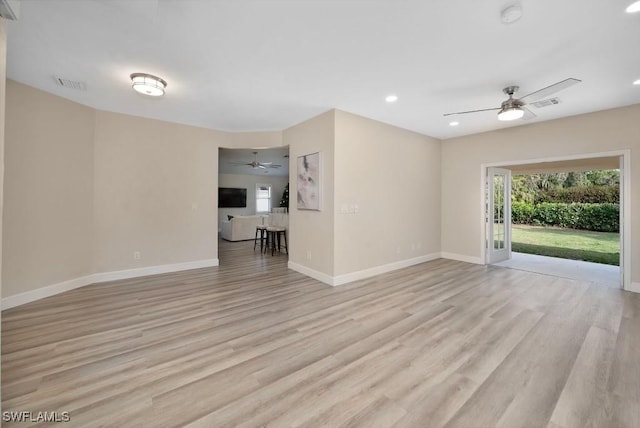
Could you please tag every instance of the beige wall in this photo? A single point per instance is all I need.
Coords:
(86, 189)
(3, 78)
(48, 211)
(156, 187)
(590, 133)
(312, 232)
(393, 177)
(246, 181)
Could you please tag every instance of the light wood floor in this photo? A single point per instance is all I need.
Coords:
(252, 344)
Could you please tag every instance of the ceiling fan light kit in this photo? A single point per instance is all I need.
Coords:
(511, 109)
(510, 113)
(148, 84)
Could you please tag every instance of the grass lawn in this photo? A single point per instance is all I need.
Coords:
(596, 247)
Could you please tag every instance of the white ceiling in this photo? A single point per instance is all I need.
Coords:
(254, 65)
(228, 157)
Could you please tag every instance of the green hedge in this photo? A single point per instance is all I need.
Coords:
(581, 194)
(596, 217)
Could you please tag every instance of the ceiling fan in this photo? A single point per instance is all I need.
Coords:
(256, 164)
(515, 108)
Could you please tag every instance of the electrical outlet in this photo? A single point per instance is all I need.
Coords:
(137, 255)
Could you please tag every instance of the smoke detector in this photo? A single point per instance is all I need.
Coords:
(511, 14)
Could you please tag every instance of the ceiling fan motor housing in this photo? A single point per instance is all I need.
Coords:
(512, 103)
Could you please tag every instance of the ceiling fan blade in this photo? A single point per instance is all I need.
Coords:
(528, 114)
(240, 164)
(274, 166)
(266, 163)
(260, 166)
(471, 111)
(549, 90)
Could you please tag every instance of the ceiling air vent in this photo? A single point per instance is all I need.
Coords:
(71, 84)
(546, 103)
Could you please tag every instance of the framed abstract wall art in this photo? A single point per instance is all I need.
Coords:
(308, 180)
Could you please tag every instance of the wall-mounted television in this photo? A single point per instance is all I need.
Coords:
(232, 198)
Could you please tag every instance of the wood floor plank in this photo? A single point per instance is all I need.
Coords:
(252, 344)
(584, 400)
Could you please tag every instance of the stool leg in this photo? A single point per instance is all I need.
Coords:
(266, 241)
(286, 245)
(255, 240)
(263, 233)
(273, 242)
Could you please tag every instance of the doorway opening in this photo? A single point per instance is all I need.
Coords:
(253, 190)
(575, 227)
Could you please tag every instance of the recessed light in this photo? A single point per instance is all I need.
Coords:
(637, 82)
(633, 7)
(454, 123)
(391, 98)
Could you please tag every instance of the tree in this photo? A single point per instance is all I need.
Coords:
(284, 202)
(530, 188)
(609, 177)
(575, 179)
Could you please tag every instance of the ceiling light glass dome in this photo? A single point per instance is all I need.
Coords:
(148, 84)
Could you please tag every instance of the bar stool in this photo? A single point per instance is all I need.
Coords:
(262, 231)
(274, 233)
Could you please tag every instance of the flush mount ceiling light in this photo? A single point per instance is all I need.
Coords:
(633, 7)
(454, 123)
(148, 84)
(391, 98)
(636, 82)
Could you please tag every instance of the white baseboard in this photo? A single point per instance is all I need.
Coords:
(322, 277)
(47, 291)
(634, 287)
(462, 258)
(378, 270)
(362, 274)
(153, 270)
(61, 287)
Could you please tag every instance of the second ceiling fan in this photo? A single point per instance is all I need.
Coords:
(515, 108)
(256, 164)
